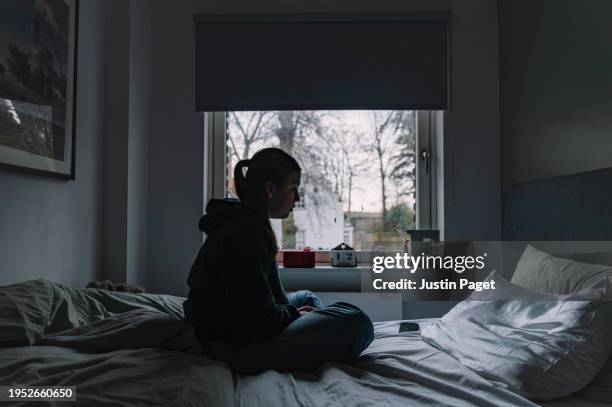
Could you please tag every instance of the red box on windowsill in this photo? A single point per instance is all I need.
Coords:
(299, 258)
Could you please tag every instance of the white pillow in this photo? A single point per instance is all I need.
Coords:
(544, 273)
(539, 346)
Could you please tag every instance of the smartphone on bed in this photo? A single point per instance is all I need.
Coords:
(408, 327)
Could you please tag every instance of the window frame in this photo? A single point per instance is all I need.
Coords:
(215, 166)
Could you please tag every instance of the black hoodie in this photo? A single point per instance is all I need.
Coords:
(235, 292)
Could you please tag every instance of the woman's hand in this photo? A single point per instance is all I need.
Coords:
(305, 309)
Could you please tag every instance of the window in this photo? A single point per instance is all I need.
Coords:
(301, 204)
(366, 175)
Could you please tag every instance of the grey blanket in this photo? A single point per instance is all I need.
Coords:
(36, 311)
(118, 349)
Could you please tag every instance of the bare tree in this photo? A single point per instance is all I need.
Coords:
(403, 159)
(286, 130)
(385, 127)
(297, 125)
(251, 127)
(299, 133)
(344, 160)
(355, 167)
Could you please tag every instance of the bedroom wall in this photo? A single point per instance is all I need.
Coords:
(556, 87)
(117, 115)
(127, 115)
(176, 191)
(138, 145)
(53, 229)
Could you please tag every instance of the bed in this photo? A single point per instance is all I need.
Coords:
(122, 349)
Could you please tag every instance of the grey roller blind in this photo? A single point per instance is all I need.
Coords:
(321, 62)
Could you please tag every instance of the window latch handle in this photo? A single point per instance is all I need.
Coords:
(426, 156)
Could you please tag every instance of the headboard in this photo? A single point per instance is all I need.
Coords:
(572, 207)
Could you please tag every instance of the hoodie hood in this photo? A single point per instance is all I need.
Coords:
(220, 211)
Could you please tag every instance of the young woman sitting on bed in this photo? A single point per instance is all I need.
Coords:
(236, 303)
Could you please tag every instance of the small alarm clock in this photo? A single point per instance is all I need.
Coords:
(343, 255)
(299, 258)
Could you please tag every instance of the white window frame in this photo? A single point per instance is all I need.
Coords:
(215, 125)
(426, 176)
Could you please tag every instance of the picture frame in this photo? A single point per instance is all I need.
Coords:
(38, 67)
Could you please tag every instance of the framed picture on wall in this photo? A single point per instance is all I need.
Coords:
(38, 43)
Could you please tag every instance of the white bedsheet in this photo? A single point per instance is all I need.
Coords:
(396, 370)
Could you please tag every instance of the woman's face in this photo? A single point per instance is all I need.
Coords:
(281, 199)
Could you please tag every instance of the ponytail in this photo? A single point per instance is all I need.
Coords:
(239, 178)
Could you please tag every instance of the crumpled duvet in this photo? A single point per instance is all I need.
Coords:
(36, 309)
(118, 349)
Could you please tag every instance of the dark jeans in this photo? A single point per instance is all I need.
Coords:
(304, 297)
(338, 332)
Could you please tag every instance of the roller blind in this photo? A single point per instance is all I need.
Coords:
(321, 62)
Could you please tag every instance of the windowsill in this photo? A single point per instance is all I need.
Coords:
(323, 257)
(326, 268)
(323, 278)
